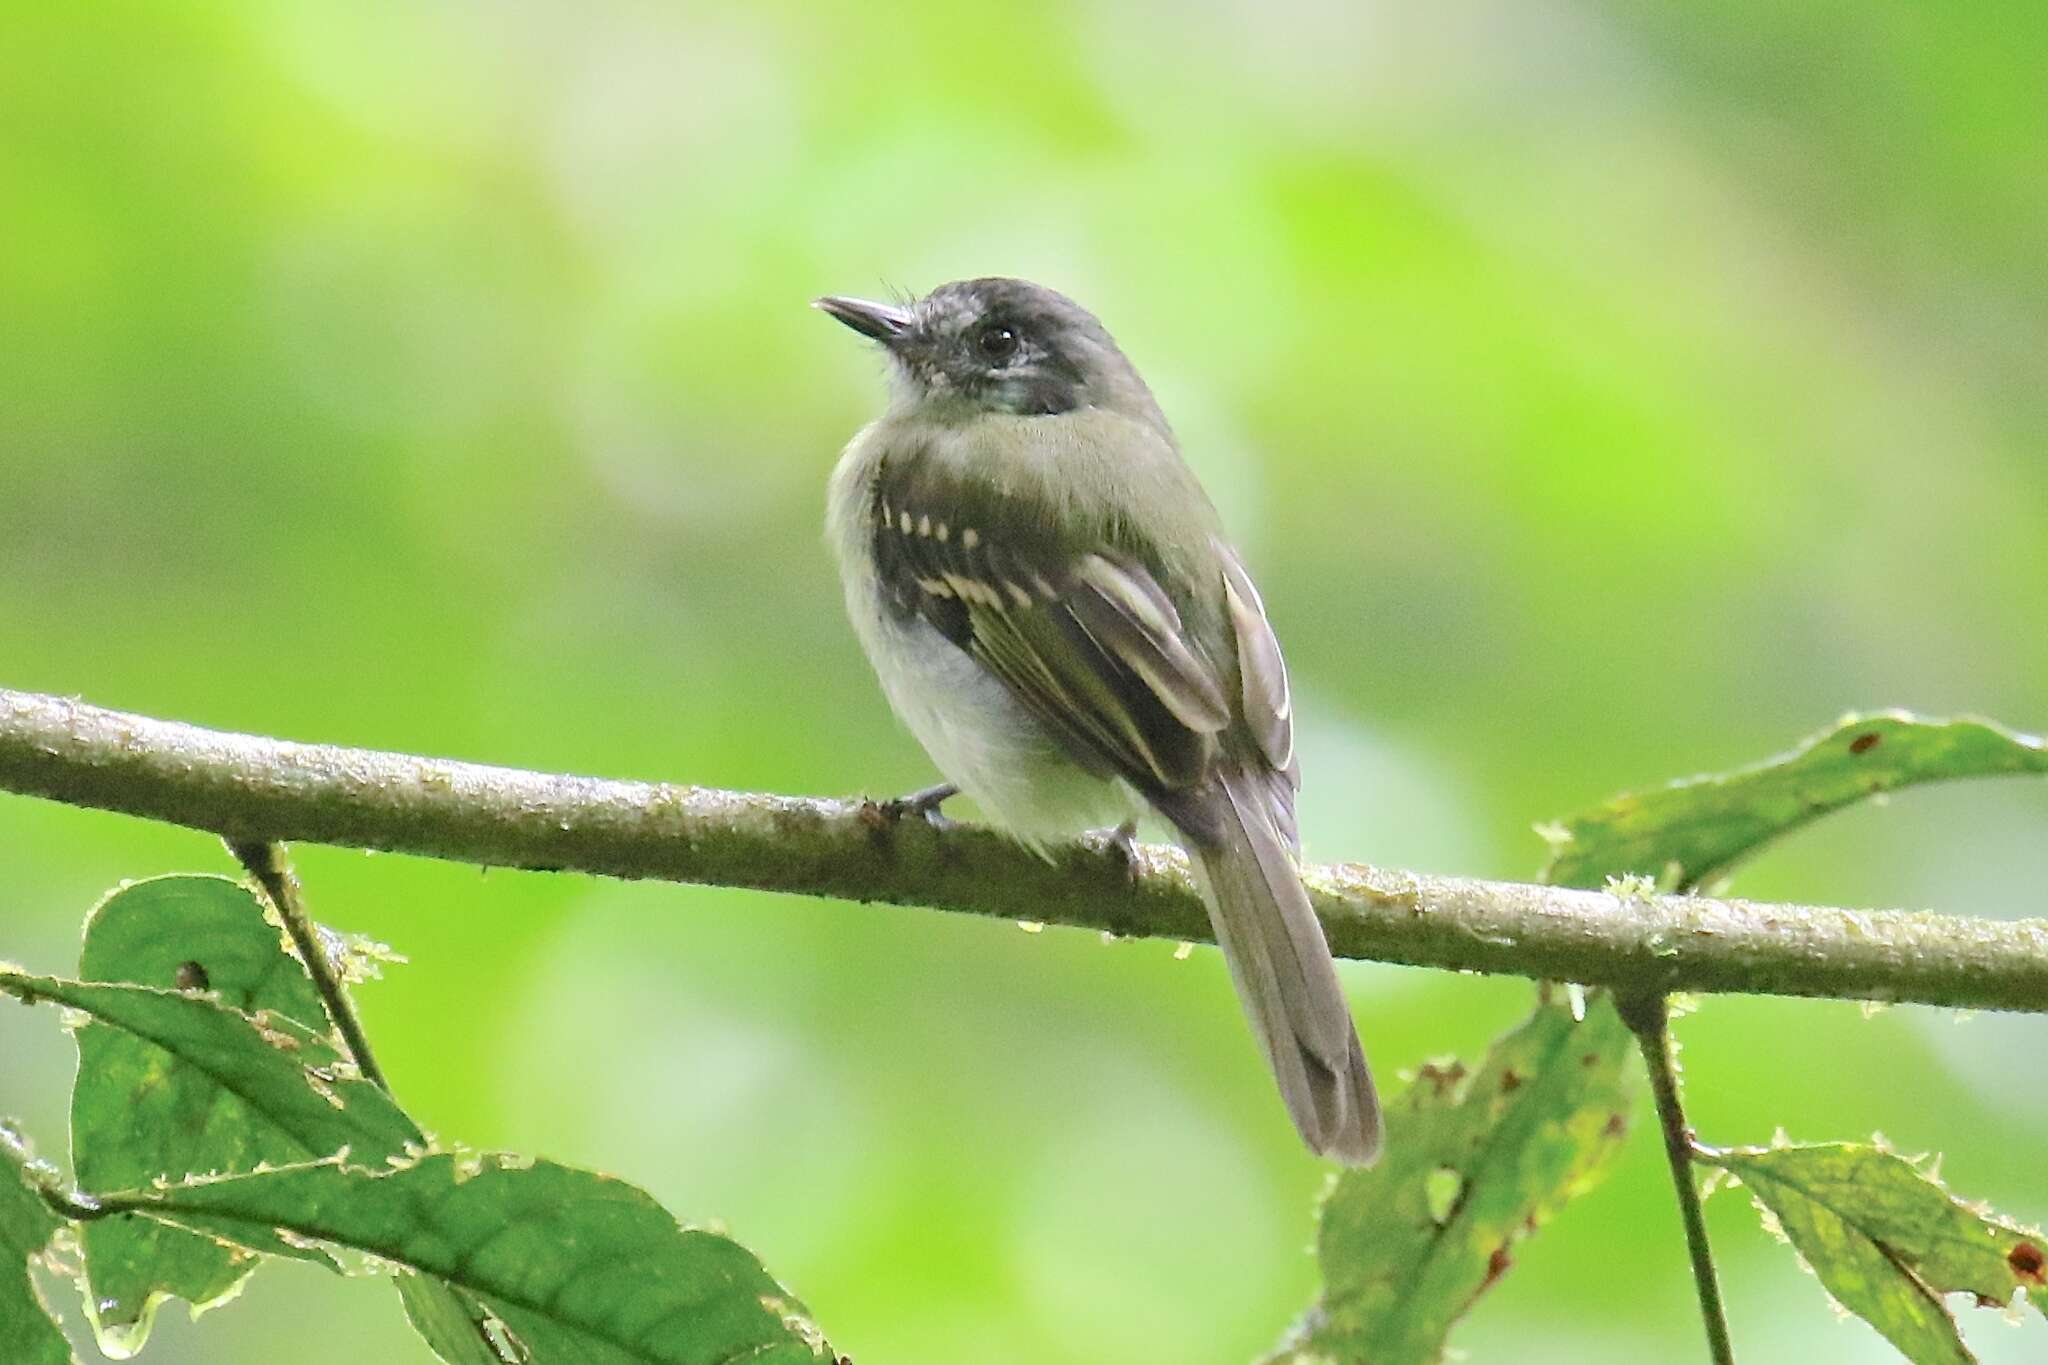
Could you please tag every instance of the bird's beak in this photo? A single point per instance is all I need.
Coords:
(884, 322)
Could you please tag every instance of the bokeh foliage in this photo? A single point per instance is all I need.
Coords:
(1600, 390)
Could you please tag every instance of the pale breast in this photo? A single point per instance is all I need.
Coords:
(977, 734)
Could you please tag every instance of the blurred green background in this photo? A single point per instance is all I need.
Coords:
(1602, 391)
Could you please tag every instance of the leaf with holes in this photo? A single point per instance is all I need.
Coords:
(208, 934)
(173, 1082)
(1694, 831)
(1474, 1162)
(1888, 1241)
(27, 1334)
(141, 1110)
(573, 1266)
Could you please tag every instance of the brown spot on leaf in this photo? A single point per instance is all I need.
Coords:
(1509, 1080)
(1615, 1126)
(1865, 742)
(1441, 1078)
(1590, 1059)
(2027, 1263)
(1496, 1266)
(191, 976)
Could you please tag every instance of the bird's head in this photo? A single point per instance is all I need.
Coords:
(1000, 345)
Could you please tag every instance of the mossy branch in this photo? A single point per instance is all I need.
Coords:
(248, 788)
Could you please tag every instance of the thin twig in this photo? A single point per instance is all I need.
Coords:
(249, 788)
(1648, 1016)
(266, 863)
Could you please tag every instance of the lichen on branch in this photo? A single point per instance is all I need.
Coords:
(246, 787)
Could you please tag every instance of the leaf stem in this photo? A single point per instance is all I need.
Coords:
(265, 861)
(1648, 1016)
(42, 1179)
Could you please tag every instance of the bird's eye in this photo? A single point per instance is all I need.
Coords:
(997, 342)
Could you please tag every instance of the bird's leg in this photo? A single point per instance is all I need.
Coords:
(924, 804)
(1123, 846)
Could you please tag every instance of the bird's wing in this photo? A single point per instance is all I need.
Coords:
(1267, 700)
(1082, 635)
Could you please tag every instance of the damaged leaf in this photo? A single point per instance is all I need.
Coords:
(178, 1080)
(194, 1077)
(1888, 1241)
(207, 1058)
(454, 1325)
(1694, 831)
(211, 935)
(571, 1266)
(28, 1336)
(148, 1106)
(1474, 1162)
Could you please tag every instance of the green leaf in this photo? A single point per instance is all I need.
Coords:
(180, 931)
(1474, 1162)
(1694, 831)
(1888, 1241)
(28, 1336)
(184, 930)
(576, 1267)
(457, 1327)
(222, 1060)
(140, 1110)
(173, 1082)
(281, 1080)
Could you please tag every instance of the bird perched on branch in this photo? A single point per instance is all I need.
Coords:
(1052, 608)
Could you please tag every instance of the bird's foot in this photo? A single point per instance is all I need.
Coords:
(1122, 845)
(923, 804)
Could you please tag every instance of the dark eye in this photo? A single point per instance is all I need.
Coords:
(996, 341)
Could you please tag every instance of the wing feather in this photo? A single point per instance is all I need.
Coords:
(1125, 612)
(1268, 701)
(1086, 639)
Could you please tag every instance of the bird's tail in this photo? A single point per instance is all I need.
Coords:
(1283, 971)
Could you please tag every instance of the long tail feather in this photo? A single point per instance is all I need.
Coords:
(1284, 975)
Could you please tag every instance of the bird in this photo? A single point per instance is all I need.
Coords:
(1053, 610)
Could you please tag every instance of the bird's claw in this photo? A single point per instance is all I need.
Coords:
(923, 804)
(1121, 844)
